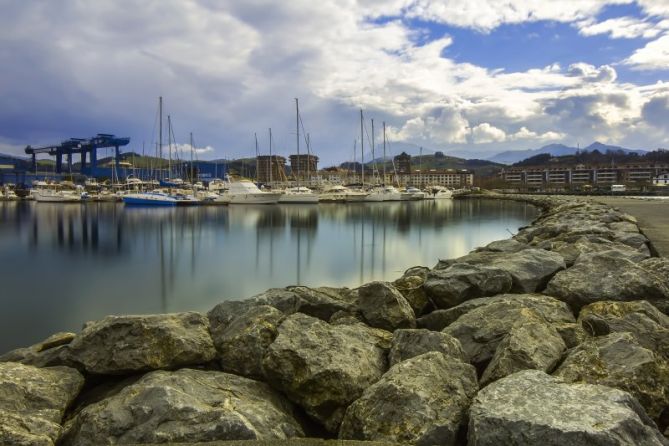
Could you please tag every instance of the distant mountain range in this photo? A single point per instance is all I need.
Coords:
(513, 156)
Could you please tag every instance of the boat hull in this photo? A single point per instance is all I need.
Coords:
(41, 197)
(298, 198)
(148, 200)
(258, 198)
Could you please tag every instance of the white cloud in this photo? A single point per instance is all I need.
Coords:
(524, 134)
(653, 56)
(486, 133)
(622, 28)
(486, 15)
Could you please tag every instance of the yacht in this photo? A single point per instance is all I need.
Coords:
(8, 194)
(154, 198)
(384, 193)
(413, 194)
(341, 194)
(44, 192)
(246, 192)
(298, 194)
(439, 193)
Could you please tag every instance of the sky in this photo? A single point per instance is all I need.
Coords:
(468, 77)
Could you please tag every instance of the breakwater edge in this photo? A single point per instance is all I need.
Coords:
(559, 333)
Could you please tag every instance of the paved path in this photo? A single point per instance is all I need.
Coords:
(652, 216)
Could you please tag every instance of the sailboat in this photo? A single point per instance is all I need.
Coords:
(384, 192)
(299, 194)
(154, 198)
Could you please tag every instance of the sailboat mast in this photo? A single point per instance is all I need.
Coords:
(191, 158)
(362, 150)
(384, 152)
(374, 170)
(270, 156)
(420, 166)
(256, 137)
(297, 125)
(169, 143)
(308, 158)
(160, 132)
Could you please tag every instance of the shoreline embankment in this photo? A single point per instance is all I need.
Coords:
(558, 332)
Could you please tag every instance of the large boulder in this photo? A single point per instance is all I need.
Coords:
(321, 303)
(550, 308)
(324, 367)
(647, 324)
(409, 343)
(572, 251)
(482, 329)
(410, 285)
(617, 360)
(452, 286)
(423, 400)
(383, 306)
(532, 408)
(242, 343)
(33, 401)
(532, 343)
(126, 344)
(530, 269)
(185, 406)
(605, 277)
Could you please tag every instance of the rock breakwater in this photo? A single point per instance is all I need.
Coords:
(559, 335)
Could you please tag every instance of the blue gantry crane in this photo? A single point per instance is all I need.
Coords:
(82, 146)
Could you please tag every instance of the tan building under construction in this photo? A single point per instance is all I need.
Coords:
(303, 166)
(271, 168)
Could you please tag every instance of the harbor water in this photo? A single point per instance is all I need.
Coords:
(65, 264)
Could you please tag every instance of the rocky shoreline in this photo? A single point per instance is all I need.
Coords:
(558, 335)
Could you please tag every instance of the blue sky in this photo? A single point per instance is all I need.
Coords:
(464, 76)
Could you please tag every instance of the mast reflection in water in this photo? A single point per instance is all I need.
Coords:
(64, 264)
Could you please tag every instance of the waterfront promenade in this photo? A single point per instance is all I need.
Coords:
(652, 216)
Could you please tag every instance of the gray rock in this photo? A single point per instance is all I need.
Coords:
(532, 343)
(185, 406)
(646, 323)
(482, 329)
(452, 286)
(50, 352)
(533, 408)
(241, 345)
(530, 269)
(505, 245)
(551, 309)
(410, 285)
(125, 344)
(617, 360)
(584, 246)
(410, 343)
(384, 307)
(321, 303)
(604, 277)
(323, 367)
(224, 313)
(33, 401)
(423, 401)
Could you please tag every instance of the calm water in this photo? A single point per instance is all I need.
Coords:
(64, 264)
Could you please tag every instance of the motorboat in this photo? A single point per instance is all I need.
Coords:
(246, 192)
(341, 194)
(8, 194)
(440, 193)
(44, 192)
(299, 194)
(384, 193)
(154, 198)
(412, 194)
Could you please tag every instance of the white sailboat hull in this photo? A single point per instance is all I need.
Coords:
(56, 196)
(252, 198)
(298, 198)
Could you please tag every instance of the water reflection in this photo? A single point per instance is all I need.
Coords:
(65, 264)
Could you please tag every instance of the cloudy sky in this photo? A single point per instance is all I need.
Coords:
(472, 77)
